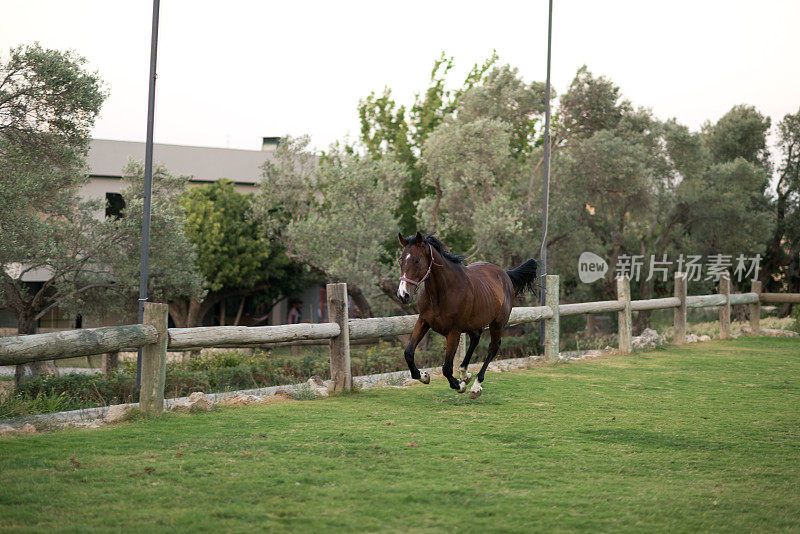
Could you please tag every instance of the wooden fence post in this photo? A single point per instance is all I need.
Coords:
(755, 309)
(154, 360)
(624, 315)
(679, 318)
(462, 350)
(552, 325)
(341, 373)
(725, 309)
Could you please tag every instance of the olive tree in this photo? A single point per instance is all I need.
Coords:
(48, 104)
(334, 214)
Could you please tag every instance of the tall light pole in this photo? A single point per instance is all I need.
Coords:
(546, 161)
(148, 183)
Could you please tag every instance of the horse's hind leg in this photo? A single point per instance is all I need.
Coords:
(496, 331)
(420, 329)
(453, 339)
(474, 337)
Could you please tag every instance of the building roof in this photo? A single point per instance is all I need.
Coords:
(203, 164)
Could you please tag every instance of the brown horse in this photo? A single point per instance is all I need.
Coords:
(456, 299)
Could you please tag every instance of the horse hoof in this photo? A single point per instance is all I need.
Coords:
(462, 387)
(465, 376)
(476, 390)
(425, 378)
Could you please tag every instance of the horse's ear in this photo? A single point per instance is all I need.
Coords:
(418, 238)
(403, 240)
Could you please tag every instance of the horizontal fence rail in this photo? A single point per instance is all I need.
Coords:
(530, 314)
(705, 301)
(780, 298)
(241, 336)
(72, 343)
(156, 338)
(381, 326)
(655, 304)
(581, 308)
(743, 298)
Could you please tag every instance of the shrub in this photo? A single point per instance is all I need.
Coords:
(182, 380)
(78, 389)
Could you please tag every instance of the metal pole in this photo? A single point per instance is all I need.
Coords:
(546, 163)
(148, 184)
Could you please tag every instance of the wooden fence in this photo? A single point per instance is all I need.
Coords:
(155, 338)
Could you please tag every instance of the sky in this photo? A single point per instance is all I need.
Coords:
(230, 73)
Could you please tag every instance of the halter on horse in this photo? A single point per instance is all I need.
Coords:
(457, 299)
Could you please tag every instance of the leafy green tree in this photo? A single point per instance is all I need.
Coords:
(502, 95)
(728, 210)
(649, 188)
(48, 104)
(470, 168)
(389, 130)
(740, 133)
(591, 104)
(172, 273)
(335, 218)
(476, 165)
(782, 258)
(233, 256)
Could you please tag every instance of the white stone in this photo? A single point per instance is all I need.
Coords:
(704, 337)
(197, 401)
(649, 335)
(774, 332)
(315, 381)
(7, 429)
(200, 401)
(691, 338)
(116, 413)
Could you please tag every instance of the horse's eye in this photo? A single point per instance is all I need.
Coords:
(416, 261)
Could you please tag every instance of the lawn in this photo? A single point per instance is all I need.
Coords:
(692, 438)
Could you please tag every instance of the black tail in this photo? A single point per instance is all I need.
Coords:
(523, 277)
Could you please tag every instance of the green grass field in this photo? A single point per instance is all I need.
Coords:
(693, 438)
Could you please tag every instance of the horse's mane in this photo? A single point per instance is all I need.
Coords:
(431, 240)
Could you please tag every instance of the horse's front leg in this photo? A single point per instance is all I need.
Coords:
(453, 339)
(420, 329)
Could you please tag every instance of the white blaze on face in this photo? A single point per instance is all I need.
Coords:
(402, 289)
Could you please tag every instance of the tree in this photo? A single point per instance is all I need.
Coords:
(503, 96)
(625, 184)
(388, 130)
(48, 104)
(173, 273)
(782, 258)
(469, 166)
(740, 133)
(591, 104)
(334, 218)
(233, 256)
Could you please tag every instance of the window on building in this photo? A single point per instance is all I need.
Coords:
(115, 205)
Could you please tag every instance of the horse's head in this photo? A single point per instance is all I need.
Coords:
(416, 262)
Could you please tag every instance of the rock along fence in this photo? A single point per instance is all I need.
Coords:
(155, 338)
